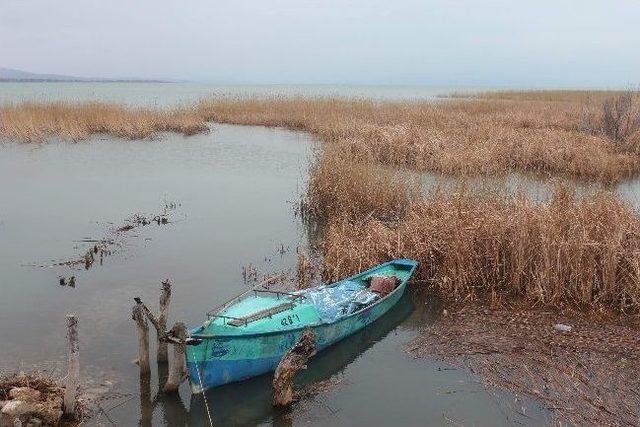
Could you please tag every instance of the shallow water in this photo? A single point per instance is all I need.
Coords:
(233, 188)
(534, 188)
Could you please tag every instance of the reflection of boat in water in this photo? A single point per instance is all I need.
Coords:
(250, 402)
(249, 335)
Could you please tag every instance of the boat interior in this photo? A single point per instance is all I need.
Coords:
(262, 310)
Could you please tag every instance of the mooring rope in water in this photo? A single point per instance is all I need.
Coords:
(204, 394)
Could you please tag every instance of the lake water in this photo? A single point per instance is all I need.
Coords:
(174, 94)
(234, 190)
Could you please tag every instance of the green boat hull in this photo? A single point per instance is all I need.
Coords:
(224, 358)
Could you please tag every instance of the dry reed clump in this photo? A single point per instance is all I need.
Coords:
(341, 185)
(305, 270)
(33, 122)
(569, 251)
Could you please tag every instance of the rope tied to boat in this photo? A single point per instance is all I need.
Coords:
(204, 394)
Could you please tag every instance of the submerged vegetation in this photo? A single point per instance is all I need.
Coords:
(581, 375)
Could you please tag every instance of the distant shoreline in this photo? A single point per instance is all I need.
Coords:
(81, 81)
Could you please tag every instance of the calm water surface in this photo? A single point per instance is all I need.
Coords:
(534, 187)
(174, 94)
(234, 188)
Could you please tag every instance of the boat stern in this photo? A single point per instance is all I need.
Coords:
(217, 361)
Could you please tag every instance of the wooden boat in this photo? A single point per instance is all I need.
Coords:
(249, 335)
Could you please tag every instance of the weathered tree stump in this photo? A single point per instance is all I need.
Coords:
(291, 363)
(178, 368)
(163, 346)
(73, 376)
(160, 322)
(143, 339)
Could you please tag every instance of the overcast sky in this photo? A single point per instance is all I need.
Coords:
(436, 42)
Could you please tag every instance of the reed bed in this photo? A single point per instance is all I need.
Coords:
(569, 251)
(461, 137)
(546, 95)
(550, 133)
(33, 122)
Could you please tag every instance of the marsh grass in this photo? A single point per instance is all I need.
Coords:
(32, 122)
(492, 246)
(545, 95)
(492, 134)
(582, 252)
(459, 137)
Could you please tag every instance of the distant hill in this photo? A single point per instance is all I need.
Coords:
(12, 75)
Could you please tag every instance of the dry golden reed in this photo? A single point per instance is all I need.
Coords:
(33, 122)
(546, 95)
(340, 185)
(580, 252)
(459, 137)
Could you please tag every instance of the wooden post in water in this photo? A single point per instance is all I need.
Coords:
(178, 368)
(289, 365)
(73, 375)
(143, 339)
(165, 298)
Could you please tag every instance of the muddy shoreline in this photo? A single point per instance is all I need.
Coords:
(582, 370)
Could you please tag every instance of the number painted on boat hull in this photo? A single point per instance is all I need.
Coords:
(290, 320)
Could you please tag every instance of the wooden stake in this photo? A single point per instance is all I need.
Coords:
(291, 363)
(73, 376)
(165, 298)
(178, 369)
(143, 339)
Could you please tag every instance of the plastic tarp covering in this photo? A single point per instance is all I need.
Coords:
(340, 300)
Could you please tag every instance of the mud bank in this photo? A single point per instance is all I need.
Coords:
(581, 370)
